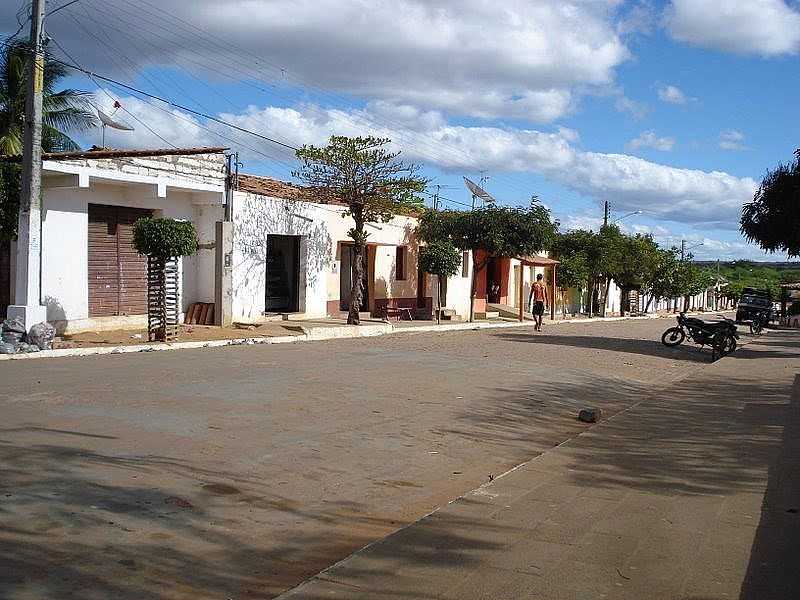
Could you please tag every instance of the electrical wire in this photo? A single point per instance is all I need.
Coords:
(174, 104)
(62, 7)
(224, 46)
(127, 112)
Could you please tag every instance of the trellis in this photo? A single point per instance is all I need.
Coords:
(163, 296)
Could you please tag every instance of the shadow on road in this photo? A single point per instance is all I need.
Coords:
(776, 547)
(75, 524)
(685, 352)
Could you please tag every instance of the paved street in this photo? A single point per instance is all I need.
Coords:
(241, 472)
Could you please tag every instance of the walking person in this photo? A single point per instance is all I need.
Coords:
(537, 299)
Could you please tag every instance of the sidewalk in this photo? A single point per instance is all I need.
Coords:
(283, 332)
(694, 494)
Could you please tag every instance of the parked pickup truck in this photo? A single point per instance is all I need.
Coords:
(754, 301)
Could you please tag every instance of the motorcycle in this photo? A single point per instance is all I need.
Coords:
(720, 335)
(760, 320)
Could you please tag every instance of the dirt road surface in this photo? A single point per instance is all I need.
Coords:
(239, 472)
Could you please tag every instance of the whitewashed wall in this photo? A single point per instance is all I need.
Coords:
(65, 289)
(322, 228)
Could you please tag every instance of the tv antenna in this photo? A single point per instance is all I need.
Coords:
(478, 192)
(109, 121)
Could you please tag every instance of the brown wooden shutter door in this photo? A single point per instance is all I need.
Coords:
(117, 273)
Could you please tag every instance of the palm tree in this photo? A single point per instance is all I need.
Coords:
(65, 111)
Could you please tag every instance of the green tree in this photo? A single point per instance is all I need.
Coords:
(772, 219)
(573, 271)
(440, 258)
(577, 250)
(63, 111)
(163, 241)
(609, 251)
(497, 231)
(371, 181)
(635, 264)
(664, 282)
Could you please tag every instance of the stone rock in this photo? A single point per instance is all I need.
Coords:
(14, 325)
(42, 336)
(589, 415)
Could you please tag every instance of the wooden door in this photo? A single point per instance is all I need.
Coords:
(117, 273)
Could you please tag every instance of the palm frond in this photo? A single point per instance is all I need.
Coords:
(55, 141)
(70, 119)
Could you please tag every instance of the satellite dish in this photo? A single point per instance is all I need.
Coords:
(478, 192)
(109, 121)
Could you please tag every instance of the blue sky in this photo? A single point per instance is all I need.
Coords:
(672, 108)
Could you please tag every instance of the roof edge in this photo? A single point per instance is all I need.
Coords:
(121, 153)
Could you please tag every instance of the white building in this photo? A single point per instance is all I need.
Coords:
(290, 252)
(91, 276)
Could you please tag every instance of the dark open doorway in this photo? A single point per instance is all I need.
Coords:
(493, 280)
(283, 273)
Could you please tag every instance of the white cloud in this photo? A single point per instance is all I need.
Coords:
(522, 59)
(765, 27)
(731, 140)
(672, 95)
(649, 139)
(636, 109)
(632, 183)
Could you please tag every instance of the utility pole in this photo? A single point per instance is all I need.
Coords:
(436, 198)
(27, 299)
(683, 249)
(605, 214)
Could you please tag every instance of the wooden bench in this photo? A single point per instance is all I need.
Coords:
(397, 312)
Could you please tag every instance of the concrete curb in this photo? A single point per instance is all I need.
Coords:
(310, 334)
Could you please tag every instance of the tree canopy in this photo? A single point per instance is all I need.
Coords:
(498, 231)
(164, 238)
(371, 181)
(440, 258)
(63, 111)
(772, 219)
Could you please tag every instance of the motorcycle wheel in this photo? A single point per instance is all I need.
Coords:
(756, 327)
(673, 336)
(722, 344)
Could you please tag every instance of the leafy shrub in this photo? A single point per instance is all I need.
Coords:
(164, 238)
(440, 258)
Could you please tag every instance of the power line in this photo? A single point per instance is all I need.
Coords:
(142, 123)
(173, 104)
(62, 7)
(161, 108)
(223, 46)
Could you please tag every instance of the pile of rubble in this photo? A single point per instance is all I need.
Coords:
(15, 340)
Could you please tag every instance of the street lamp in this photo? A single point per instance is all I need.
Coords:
(636, 212)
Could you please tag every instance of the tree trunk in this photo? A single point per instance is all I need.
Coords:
(647, 306)
(686, 304)
(357, 292)
(472, 288)
(590, 295)
(605, 296)
(439, 300)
